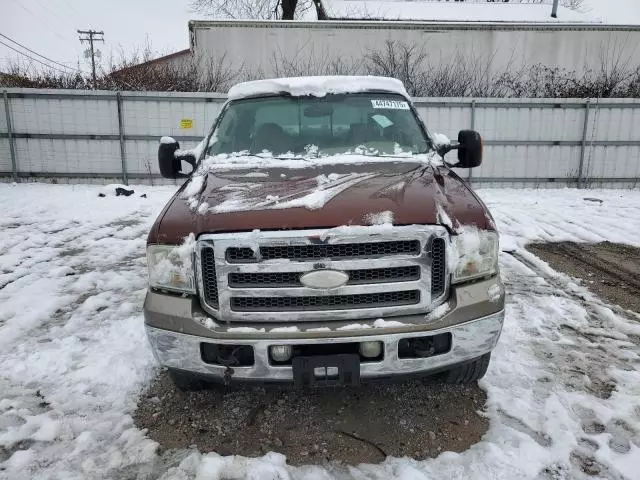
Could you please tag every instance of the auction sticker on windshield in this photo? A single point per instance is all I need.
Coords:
(390, 104)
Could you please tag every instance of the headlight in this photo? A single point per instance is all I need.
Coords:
(475, 253)
(171, 267)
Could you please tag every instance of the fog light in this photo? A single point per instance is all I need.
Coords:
(370, 349)
(281, 353)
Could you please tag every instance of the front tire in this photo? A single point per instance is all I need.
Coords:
(469, 372)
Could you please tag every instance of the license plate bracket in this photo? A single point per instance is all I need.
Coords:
(326, 370)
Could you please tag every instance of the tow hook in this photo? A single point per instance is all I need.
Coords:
(227, 375)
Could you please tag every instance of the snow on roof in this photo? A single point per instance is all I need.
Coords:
(460, 12)
(316, 86)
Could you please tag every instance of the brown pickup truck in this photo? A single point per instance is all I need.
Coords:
(321, 238)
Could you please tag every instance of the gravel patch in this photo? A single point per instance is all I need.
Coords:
(609, 270)
(415, 418)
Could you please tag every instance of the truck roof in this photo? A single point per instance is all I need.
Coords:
(317, 86)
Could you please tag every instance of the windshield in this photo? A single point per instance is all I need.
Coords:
(362, 123)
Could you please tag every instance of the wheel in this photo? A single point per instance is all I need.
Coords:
(187, 382)
(469, 372)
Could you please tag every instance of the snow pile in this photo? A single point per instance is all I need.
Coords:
(494, 293)
(380, 218)
(438, 312)
(167, 140)
(316, 86)
(245, 330)
(358, 230)
(194, 187)
(266, 160)
(563, 384)
(382, 323)
(443, 218)
(440, 140)
(72, 346)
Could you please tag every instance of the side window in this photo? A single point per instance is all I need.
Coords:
(222, 139)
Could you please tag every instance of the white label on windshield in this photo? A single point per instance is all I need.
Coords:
(383, 121)
(390, 104)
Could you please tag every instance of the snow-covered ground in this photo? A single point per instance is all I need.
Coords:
(563, 387)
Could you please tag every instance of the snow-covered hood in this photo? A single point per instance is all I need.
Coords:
(319, 197)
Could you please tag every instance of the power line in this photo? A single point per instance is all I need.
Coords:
(33, 58)
(75, 12)
(36, 53)
(43, 22)
(53, 12)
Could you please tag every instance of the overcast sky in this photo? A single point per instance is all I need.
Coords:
(49, 26)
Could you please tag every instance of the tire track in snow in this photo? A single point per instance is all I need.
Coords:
(561, 285)
(586, 356)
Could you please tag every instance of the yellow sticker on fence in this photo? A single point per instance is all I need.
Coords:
(186, 123)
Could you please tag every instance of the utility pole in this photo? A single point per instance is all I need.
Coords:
(92, 36)
(554, 9)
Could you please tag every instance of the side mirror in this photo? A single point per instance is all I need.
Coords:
(170, 163)
(469, 149)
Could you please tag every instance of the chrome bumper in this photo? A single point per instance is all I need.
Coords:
(469, 340)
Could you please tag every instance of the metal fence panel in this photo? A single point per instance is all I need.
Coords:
(529, 161)
(5, 156)
(3, 116)
(74, 157)
(174, 118)
(445, 120)
(508, 123)
(613, 162)
(78, 134)
(614, 124)
(84, 115)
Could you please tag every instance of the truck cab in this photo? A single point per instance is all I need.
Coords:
(322, 238)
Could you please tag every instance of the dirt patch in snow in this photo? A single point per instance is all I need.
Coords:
(609, 270)
(419, 419)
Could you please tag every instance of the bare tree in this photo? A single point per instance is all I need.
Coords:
(252, 9)
(572, 4)
(466, 74)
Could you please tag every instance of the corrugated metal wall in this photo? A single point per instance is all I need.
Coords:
(76, 134)
(282, 48)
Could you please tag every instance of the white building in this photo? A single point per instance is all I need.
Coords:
(496, 36)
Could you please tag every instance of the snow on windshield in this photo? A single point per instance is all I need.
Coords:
(316, 86)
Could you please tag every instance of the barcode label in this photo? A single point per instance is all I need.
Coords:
(390, 104)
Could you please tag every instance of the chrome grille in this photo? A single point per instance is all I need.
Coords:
(210, 280)
(322, 251)
(325, 302)
(398, 271)
(356, 277)
(438, 267)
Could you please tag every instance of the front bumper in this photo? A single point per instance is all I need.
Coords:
(176, 327)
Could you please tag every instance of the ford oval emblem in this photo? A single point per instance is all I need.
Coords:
(324, 279)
